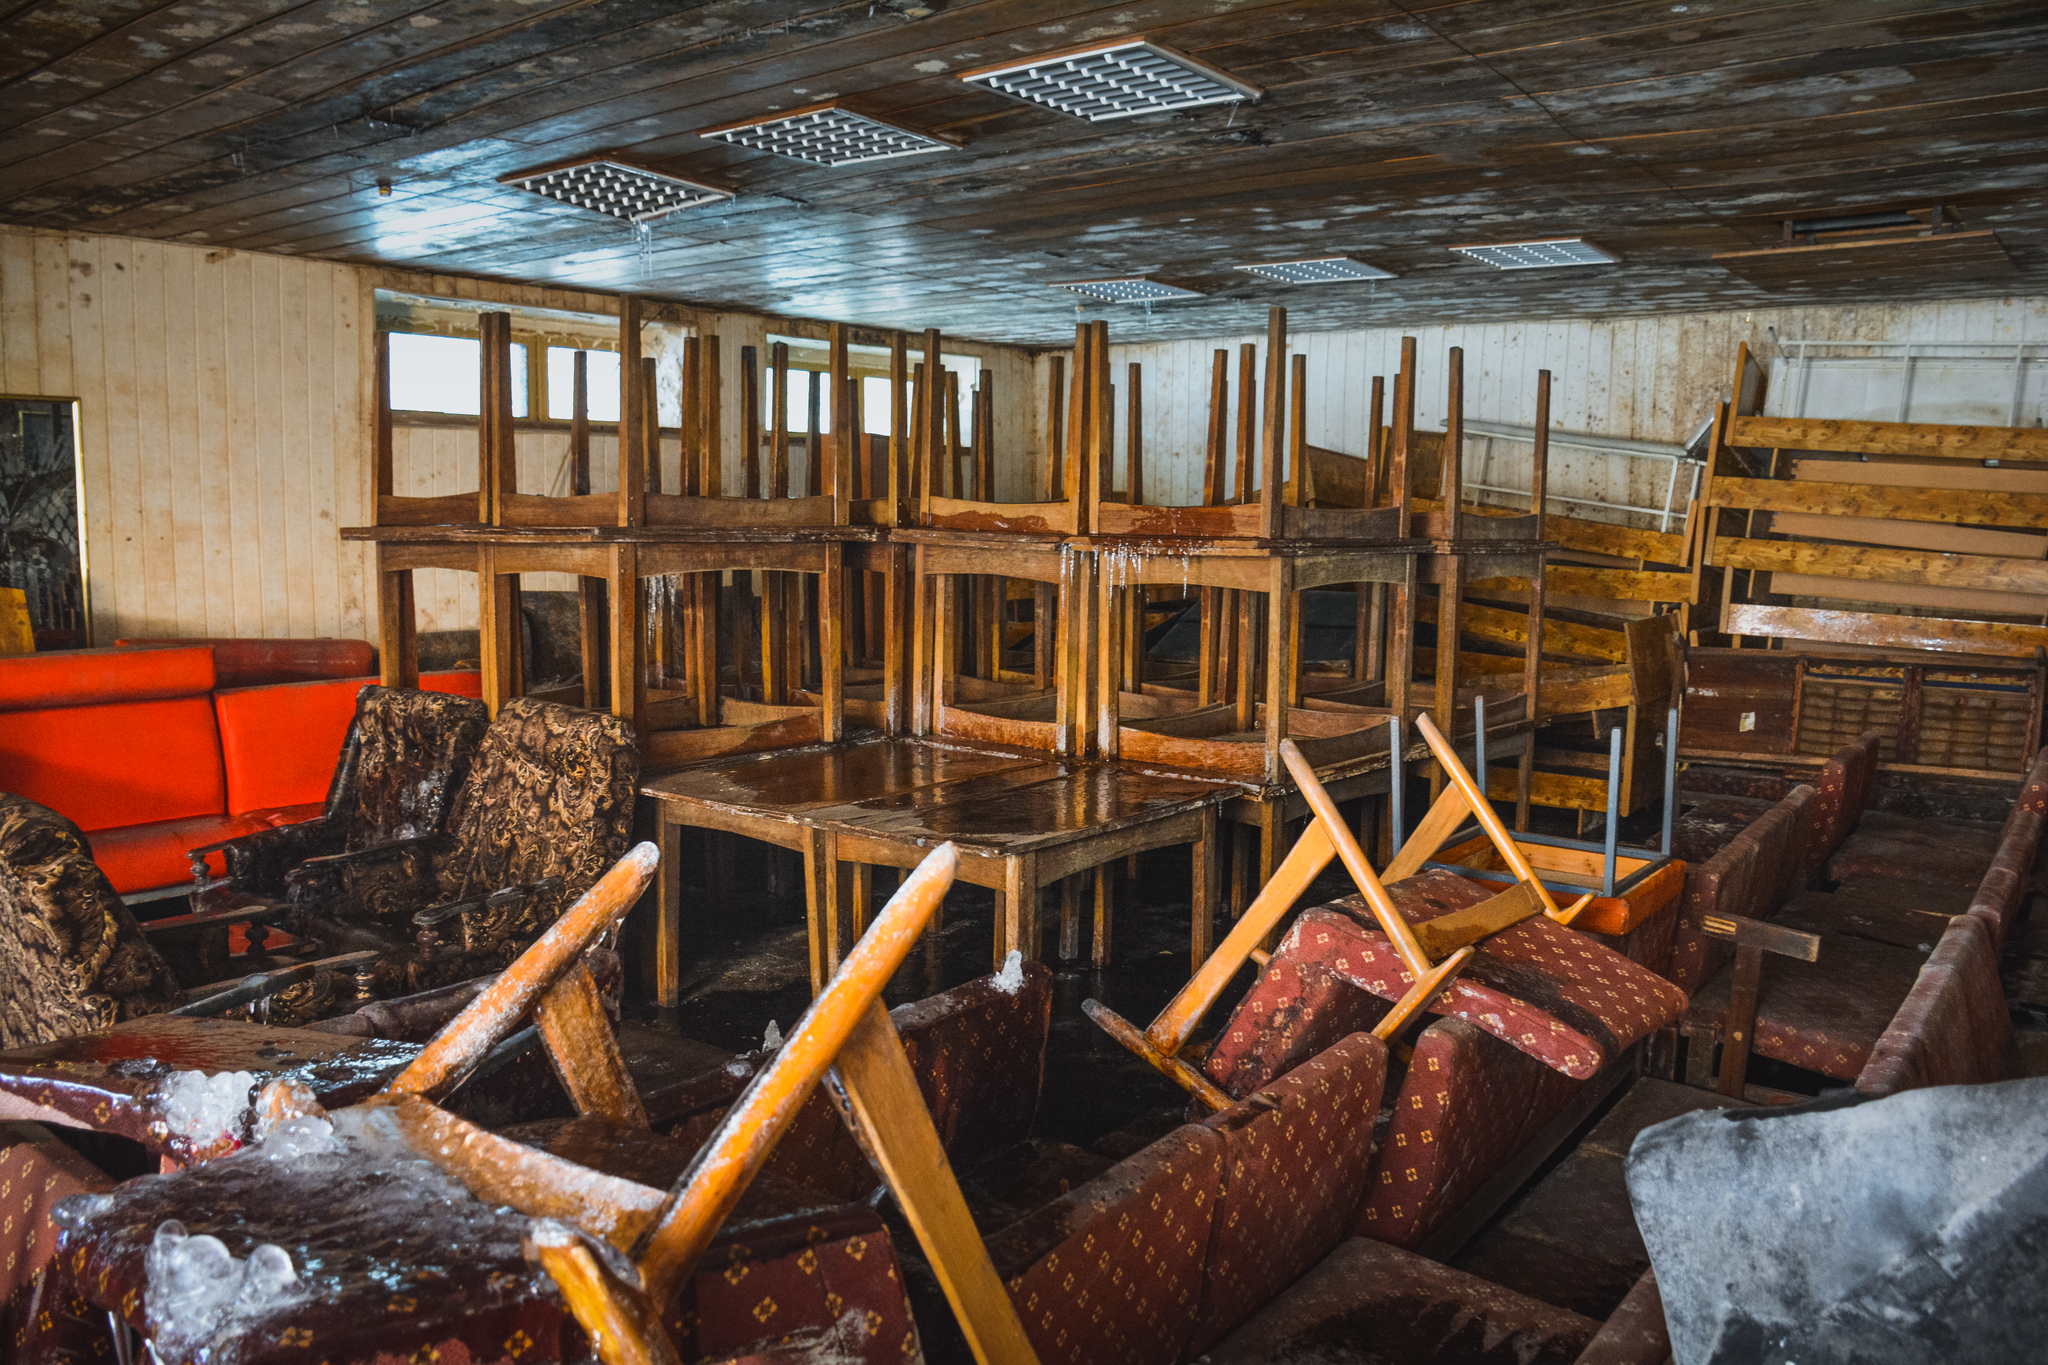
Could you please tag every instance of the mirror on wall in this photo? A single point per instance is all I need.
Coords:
(42, 528)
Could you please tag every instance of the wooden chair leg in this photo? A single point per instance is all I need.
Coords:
(1740, 1021)
(1105, 912)
(1070, 917)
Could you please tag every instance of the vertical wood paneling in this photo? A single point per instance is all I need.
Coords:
(221, 427)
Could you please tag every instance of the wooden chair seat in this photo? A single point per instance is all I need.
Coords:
(1825, 1015)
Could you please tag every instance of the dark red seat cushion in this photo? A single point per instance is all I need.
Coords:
(1952, 1028)
(1297, 1157)
(146, 857)
(1825, 1016)
(253, 662)
(1467, 1103)
(1913, 848)
(1557, 995)
(1110, 1273)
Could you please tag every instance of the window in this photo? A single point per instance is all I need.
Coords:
(601, 384)
(871, 367)
(445, 374)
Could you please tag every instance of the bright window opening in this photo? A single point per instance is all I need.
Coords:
(601, 384)
(445, 374)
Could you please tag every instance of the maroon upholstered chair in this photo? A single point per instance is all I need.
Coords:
(1952, 1028)
(1297, 1156)
(1466, 1104)
(36, 1170)
(1370, 1301)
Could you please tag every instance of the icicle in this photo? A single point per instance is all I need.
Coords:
(644, 234)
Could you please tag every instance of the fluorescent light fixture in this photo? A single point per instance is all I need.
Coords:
(605, 184)
(1541, 255)
(1128, 291)
(1114, 80)
(1322, 270)
(828, 135)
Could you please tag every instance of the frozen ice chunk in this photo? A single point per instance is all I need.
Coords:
(74, 1210)
(304, 1136)
(1010, 979)
(269, 1281)
(203, 1109)
(772, 1039)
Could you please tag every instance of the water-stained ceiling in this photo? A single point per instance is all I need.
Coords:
(1663, 132)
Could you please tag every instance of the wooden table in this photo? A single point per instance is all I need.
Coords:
(1021, 820)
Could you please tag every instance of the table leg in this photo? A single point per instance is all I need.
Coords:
(1017, 911)
(1070, 917)
(1105, 912)
(1207, 884)
(863, 897)
(821, 884)
(1240, 867)
(668, 919)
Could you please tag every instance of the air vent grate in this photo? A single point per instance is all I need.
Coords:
(625, 191)
(1542, 255)
(1322, 270)
(828, 135)
(1128, 291)
(1115, 80)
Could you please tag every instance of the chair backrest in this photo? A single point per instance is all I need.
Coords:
(1295, 1166)
(72, 958)
(2004, 887)
(1844, 791)
(407, 755)
(1725, 884)
(1467, 1103)
(1111, 1272)
(1783, 835)
(1952, 1028)
(550, 795)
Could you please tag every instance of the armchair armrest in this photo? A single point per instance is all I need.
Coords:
(364, 857)
(1752, 939)
(259, 862)
(262, 984)
(502, 902)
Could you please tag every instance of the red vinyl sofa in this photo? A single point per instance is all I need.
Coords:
(143, 750)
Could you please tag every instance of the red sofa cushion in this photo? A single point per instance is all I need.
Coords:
(463, 682)
(143, 857)
(278, 745)
(119, 764)
(241, 662)
(94, 677)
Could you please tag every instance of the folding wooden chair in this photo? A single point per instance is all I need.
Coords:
(1433, 952)
(620, 1251)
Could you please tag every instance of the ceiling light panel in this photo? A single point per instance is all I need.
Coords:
(1323, 270)
(1542, 255)
(632, 193)
(1128, 291)
(828, 135)
(1119, 80)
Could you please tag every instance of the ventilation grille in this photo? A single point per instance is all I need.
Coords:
(1541, 255)
(828, 135)
(632, 193)
(1128, 291)
(1323, 270)
(1116, 81)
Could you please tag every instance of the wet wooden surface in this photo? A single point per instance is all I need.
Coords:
(1022, 820)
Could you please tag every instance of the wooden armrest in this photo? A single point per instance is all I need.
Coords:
(499, 899)
(375, 853)
(1762, 934)
(255, 911)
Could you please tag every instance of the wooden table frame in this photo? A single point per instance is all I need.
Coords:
(834, 839)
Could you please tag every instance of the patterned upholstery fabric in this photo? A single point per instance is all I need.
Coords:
(1295, 1166)
(550, 794)
(1844, 790)
(1555, 994)
(1371, 1302)
(72, 958)
(36, 1170)
(1825, 1016)
(1635, 1333)
(405, 757)
(1943, 852)
(1999, 896)
(1952, 1028)
(978, 1052)
(1749, 879)
(1467, 1103)
(1111, 1273)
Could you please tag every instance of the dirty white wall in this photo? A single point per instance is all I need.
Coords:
(1649, 378)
